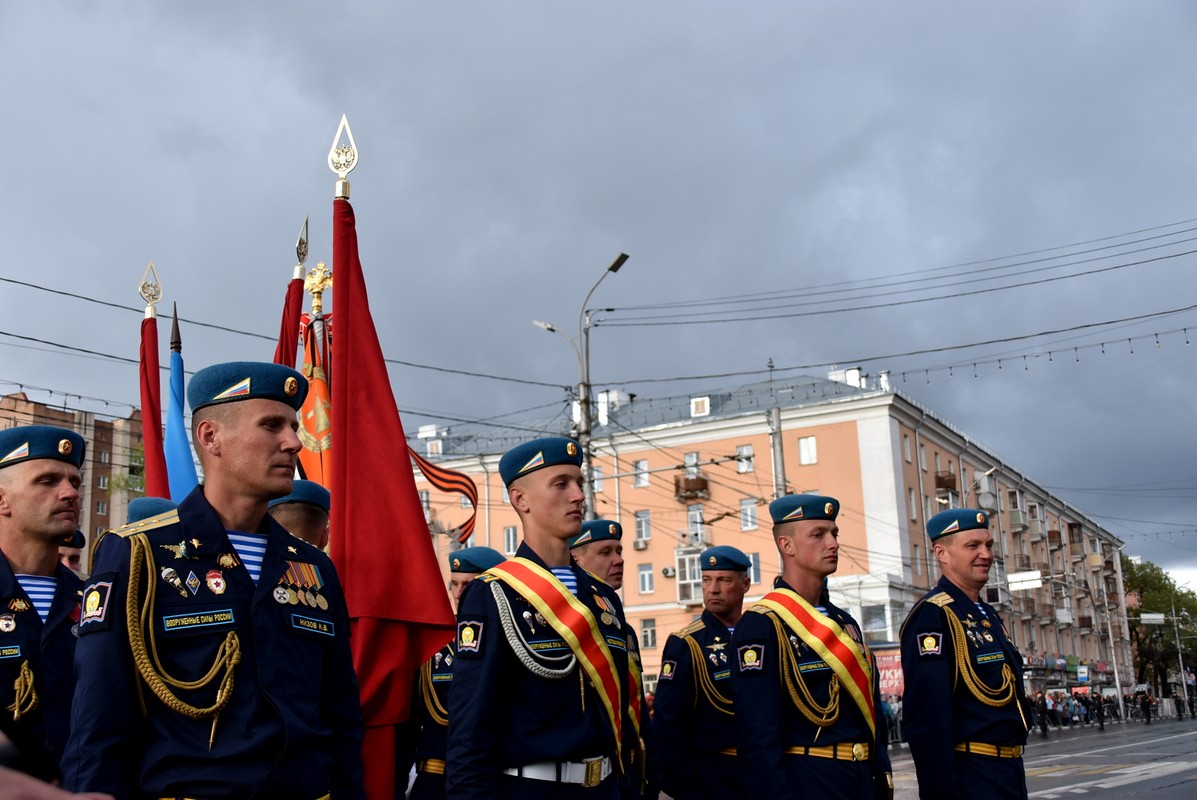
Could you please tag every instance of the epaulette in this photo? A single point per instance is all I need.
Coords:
(148, 524)
(940, 599)
(486, 577)
(691, 629)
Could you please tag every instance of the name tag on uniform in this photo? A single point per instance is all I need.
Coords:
(10, 651)
(302, 623)
(989, 658)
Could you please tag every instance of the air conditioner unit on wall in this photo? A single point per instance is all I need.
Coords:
(639, 544)
(669, 572)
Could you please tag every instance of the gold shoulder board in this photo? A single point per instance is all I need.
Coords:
(941, 599)
(691, 629)
(150, 523)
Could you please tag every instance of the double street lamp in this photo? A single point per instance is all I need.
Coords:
(583, 355)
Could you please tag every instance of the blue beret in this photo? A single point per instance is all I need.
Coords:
(724, 557)
(145, 507)
(794, 507)
(32, 442)
(246, 380)
(955, 520)
(77, 540)
(474, 559)
(308, 492)
(597, 530)
(538, 454)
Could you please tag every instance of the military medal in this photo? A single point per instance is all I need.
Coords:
(988, 636)
(227, 560)
(527, 615)
(215, 581)
(8, 623)
(321, 603)
(172, 577)
(292, 596)
(310, 597)
(18, 604)
(607, 618)
(193, 583)
(280, 595)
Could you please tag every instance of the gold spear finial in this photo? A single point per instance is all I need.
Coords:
(318, 281)
(301, 251)
(342, 157)
(150, 290)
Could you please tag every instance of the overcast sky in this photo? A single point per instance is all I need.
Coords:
(829, 156)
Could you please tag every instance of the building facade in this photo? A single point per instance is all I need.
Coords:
(687, 472)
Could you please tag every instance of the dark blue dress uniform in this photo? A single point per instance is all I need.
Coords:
(290, 725)
(37, 656)
(520, 707)
(778, 681)
(425, 735)
(963, 690)
(693, 723)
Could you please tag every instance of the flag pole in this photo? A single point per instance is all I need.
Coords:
(156, 482)
(288, 334)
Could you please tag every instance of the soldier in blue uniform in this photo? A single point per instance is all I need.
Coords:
(598, 549)
(809, 719)
(304, 512)
(39, 598)
(538, 705)
(235, 678)
(965, 713)
(424, 735)
(694, 722)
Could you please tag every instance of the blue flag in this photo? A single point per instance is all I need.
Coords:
(180, 466)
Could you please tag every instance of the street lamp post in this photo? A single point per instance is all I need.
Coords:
(584, 403)
(1184, 687)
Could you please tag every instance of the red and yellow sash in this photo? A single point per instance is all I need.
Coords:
(849, 660)
(634, 685)
(574, 623)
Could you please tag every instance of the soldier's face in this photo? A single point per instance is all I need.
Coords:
(552, 499)
(458, 581)
(966, 557)
(604, 559)
(723, 591)
(258, 447)
(814, 545)
(41, 498)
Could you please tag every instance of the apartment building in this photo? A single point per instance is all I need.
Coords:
(686, 472)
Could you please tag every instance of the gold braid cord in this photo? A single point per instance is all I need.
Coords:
(155, 676)
(987, 695)
(818, 715)
(25, 700)
(703, 679)
(438, 713)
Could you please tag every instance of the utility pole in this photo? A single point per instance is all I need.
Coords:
(1184, 687)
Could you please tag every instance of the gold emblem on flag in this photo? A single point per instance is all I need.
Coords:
(65, 447)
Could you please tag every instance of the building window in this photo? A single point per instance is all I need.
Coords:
(104, 456)
(700, 406)
(644, 527)
(748, 514)
(807, 453)
(916, 562)
(689, 579)
(425, 501)
(596, 475)
(650, 682)
(648, 633)
(1033, 510)
(100, 530)
(744, 459)
(927, 513)
(694, 524)
(876, 627)
(906, 447)
(922, 456)
(754, 572)
(640, 473)
(691, 465)
(1013, 499)
(102, 506)
(912, 504)
(465, 502)
(644, 577)
(510, 540)
(102, 482)
(506, 495)
(434, 447)
(937, 464)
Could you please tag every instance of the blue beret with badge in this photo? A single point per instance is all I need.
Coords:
(77, 540)
(474, 559)
(724, 557)
(145, 507)
(309, 492)
(246, 380)
(537, 454)
(955, 520)
(31, 442)
(797, 507)
(597, 530)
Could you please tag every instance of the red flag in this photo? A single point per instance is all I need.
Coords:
(156, 482)
(288, 333)
(379, 536)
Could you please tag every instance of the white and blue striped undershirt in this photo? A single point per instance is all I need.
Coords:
(41, 591)
(566, 576)
(251, 548)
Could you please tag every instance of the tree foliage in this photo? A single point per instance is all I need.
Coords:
(1155, 645)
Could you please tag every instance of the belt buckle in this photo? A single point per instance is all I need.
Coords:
(594, 772)
(858, 752)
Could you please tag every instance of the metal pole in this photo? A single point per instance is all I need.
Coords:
(1184, 688)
